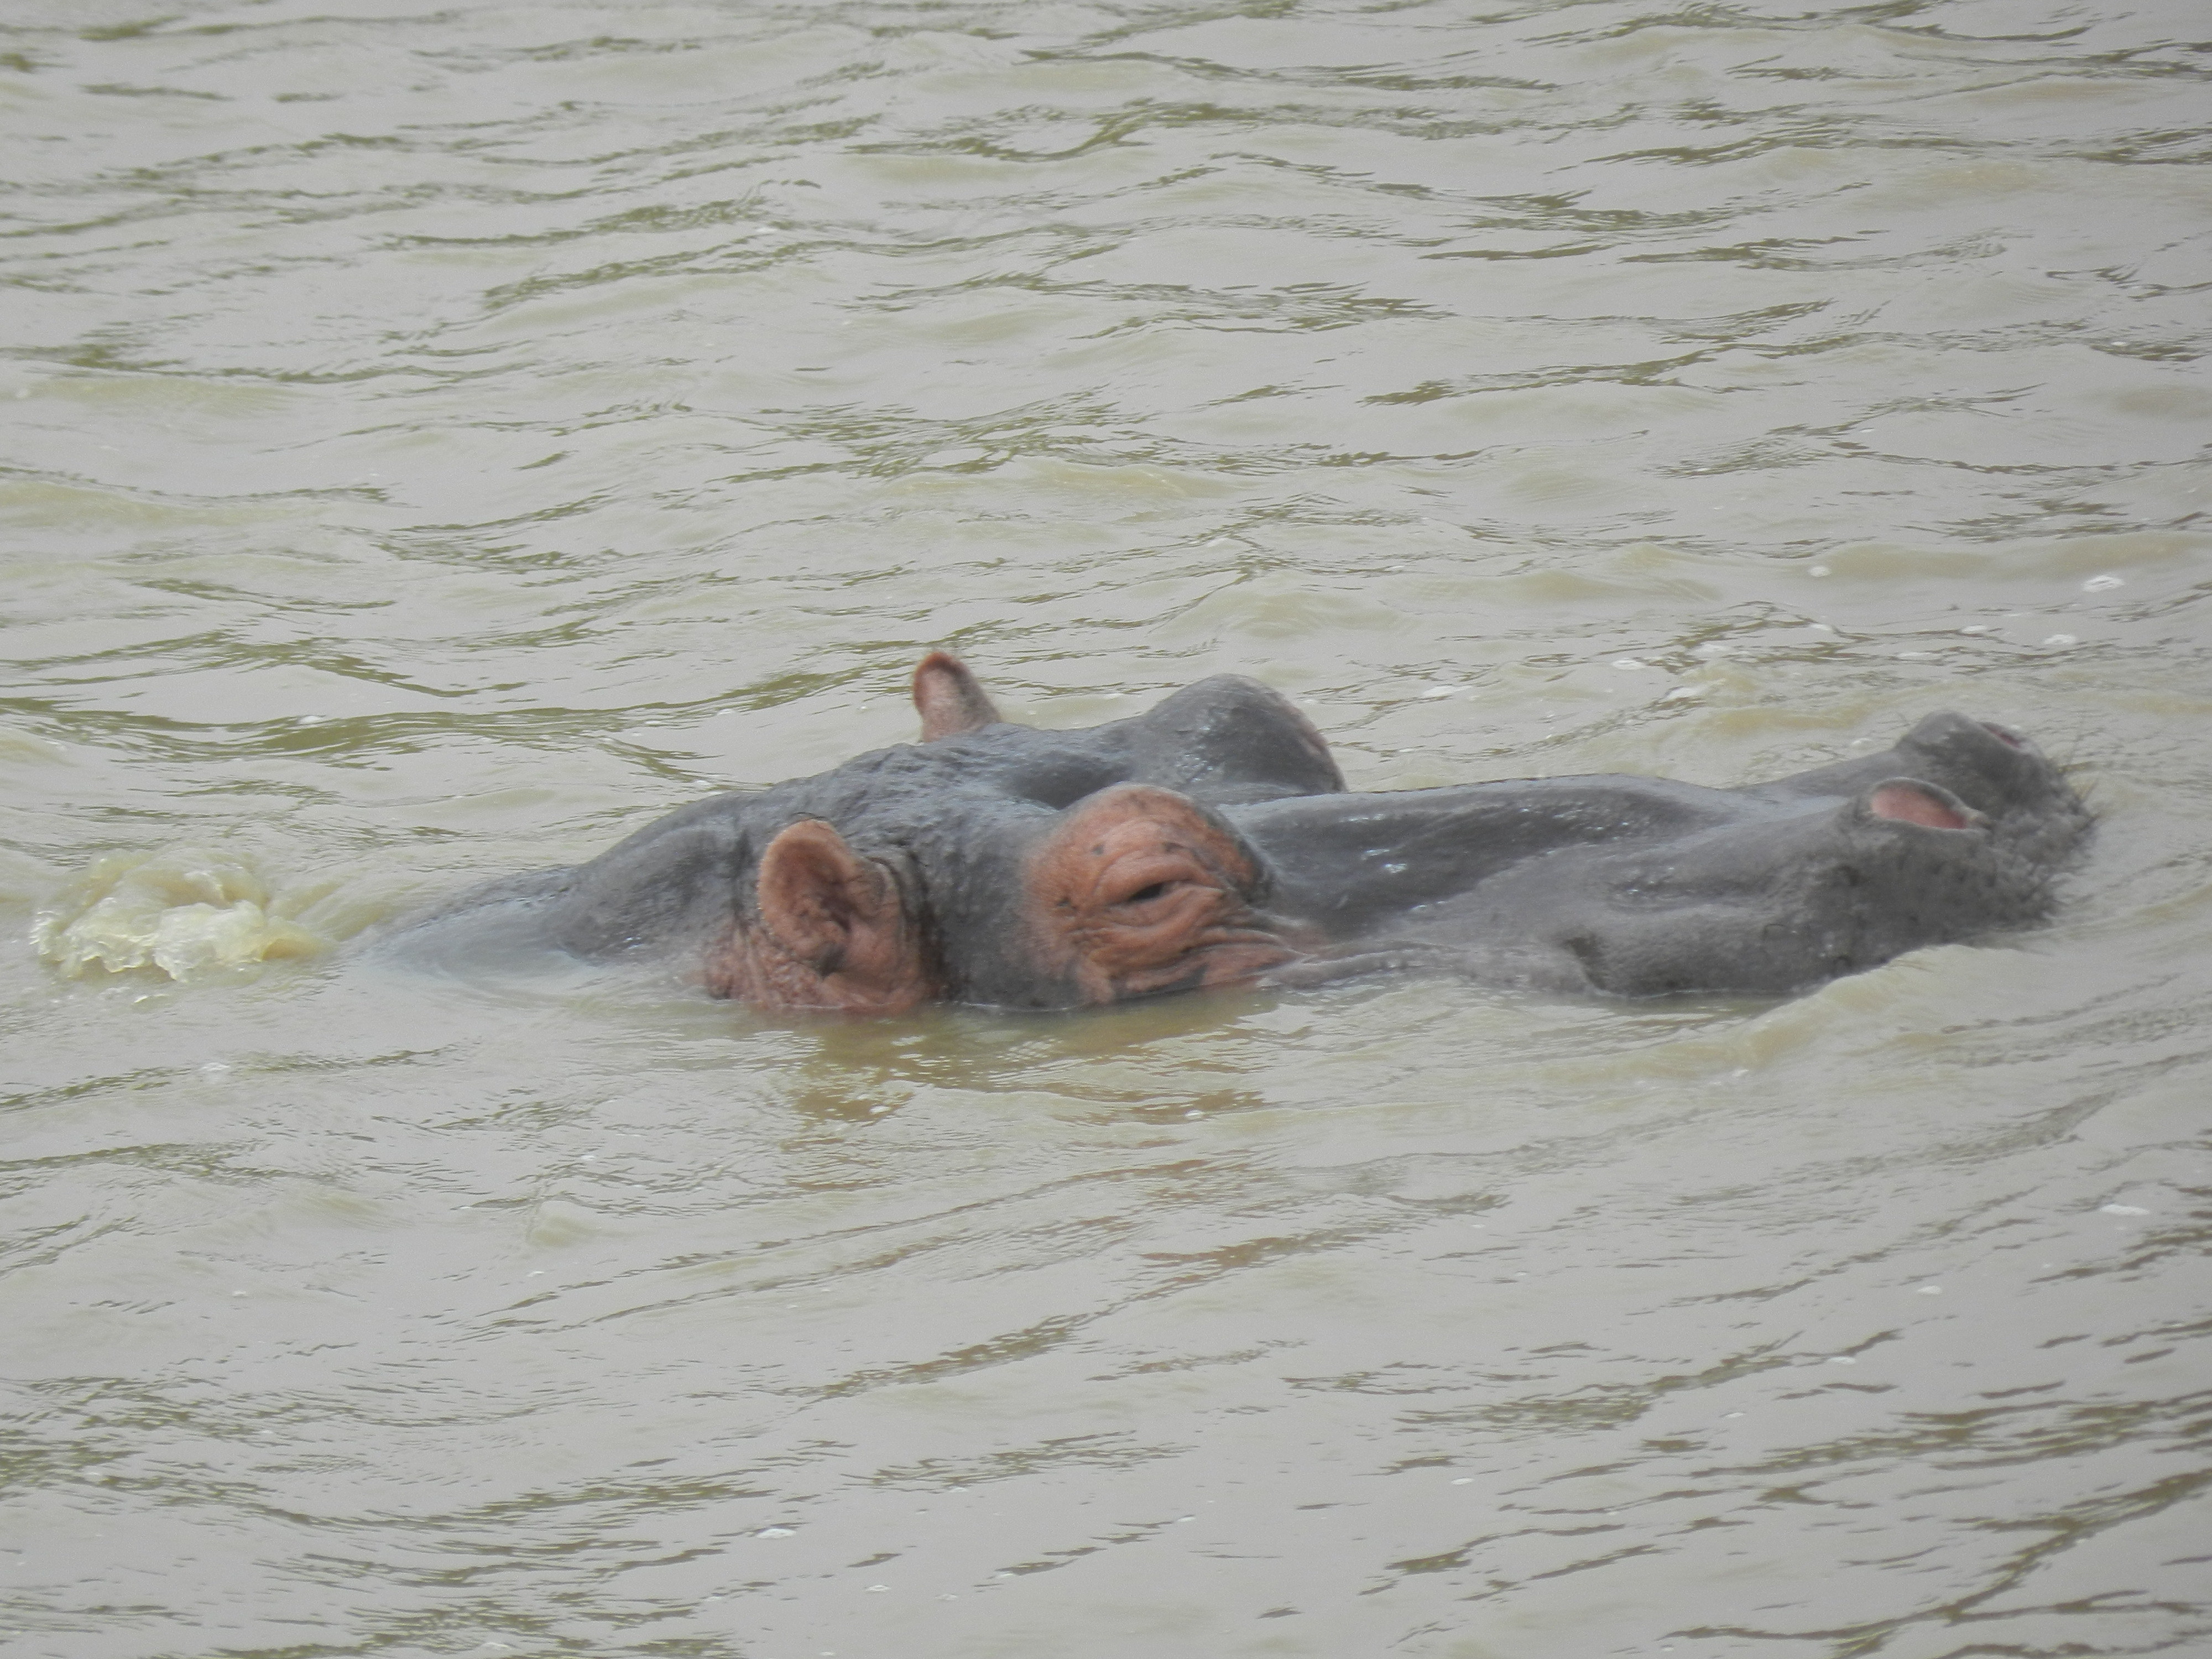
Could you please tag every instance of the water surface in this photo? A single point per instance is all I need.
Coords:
(439, 440)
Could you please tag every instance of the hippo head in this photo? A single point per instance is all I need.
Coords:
(1000, 864)
(1132, 891)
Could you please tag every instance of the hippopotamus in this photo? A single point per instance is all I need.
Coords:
(1641, 887)
(1212, 842)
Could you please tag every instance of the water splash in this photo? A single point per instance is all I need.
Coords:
(184, 910)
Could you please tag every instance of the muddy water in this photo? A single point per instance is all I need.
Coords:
(438, 441)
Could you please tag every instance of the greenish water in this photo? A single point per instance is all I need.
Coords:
(436, 440)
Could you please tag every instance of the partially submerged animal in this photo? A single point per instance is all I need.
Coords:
(1212, 842)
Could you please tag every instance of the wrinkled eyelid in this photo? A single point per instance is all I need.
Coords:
(1146, 893)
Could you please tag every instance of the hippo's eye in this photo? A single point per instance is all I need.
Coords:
(1145, 895)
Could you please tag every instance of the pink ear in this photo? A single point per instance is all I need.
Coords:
(816, 892)
(834, 932)
(1905, 802)
(948, 698)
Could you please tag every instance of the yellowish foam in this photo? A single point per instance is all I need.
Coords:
(184, 910)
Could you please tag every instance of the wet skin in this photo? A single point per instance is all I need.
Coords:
(901, 876)
(1211, 841)
(1639, 887)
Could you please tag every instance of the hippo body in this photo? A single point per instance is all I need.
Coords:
(1639, 887)
(1212, 842)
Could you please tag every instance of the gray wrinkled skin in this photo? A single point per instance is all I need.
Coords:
(1640, 888)
(941, 817)
(1621, 885)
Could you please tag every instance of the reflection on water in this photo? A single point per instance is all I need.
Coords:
(437, 443)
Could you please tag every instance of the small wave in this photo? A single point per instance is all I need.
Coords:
(184, 910)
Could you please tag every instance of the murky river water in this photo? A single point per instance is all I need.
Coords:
(438, 441)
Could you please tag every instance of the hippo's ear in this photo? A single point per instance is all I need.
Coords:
(836, 931)
(1140, 890)
(948, 698)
